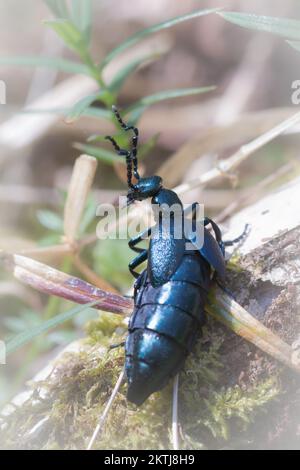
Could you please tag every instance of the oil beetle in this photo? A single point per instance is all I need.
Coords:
(170, 294)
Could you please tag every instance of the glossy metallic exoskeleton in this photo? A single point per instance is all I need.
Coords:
(170, 294)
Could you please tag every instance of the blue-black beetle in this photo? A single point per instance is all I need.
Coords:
(170, 294)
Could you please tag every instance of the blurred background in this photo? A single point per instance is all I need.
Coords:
(182, 138)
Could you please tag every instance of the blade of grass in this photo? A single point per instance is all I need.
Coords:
(284, 27)
(27, 336)
(55, 63)
(166, 95)
(152, 29)
(106, 156)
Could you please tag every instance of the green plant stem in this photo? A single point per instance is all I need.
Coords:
(95, 72)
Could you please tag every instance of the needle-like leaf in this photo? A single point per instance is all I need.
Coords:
(55, 63)
(27, 336)
(126, 71)
(82, 105)
(58, 7)
(166, 95)
(106, 156)
(82, 17)
(152, 29)
(287, 28)
(69, 33)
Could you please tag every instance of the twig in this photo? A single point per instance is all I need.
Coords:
(217, 138)
(53, 282)
(91, 276)
(103, 417)
(245, 151)
(175, 414)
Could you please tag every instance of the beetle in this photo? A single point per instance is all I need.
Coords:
(170, 294)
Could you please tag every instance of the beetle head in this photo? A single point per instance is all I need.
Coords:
(144, 188)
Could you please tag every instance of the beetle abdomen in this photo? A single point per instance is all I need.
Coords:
(164, 326)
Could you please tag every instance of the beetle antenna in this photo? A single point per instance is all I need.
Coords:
(103, 417)
(175, 414)
(127, 154)
(134, 140)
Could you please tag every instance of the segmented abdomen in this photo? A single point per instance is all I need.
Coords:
(164, 326)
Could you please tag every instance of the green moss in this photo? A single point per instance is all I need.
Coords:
(105, 329)
(234, 263)
(82, 383)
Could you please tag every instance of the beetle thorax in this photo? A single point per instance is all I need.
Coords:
(167, 203)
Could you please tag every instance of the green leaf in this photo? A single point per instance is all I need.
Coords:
(152, 29)
(50, 239)
(96, 138)
(124, 73)
(82, 17)
(284, 27)
(56, 63)
(98, 113)
(102, 154)
(102, 138)
(50, 220)
(168, 94)
(58, 7)
(294, 44)
(69, 33)
(80, 107)
(21, 339)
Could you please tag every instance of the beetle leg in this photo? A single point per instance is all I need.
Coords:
(192, 208)
(115, 346)
(134, 241)
(138, 283)
(239, 238)
(217, 232)
(141, 257)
